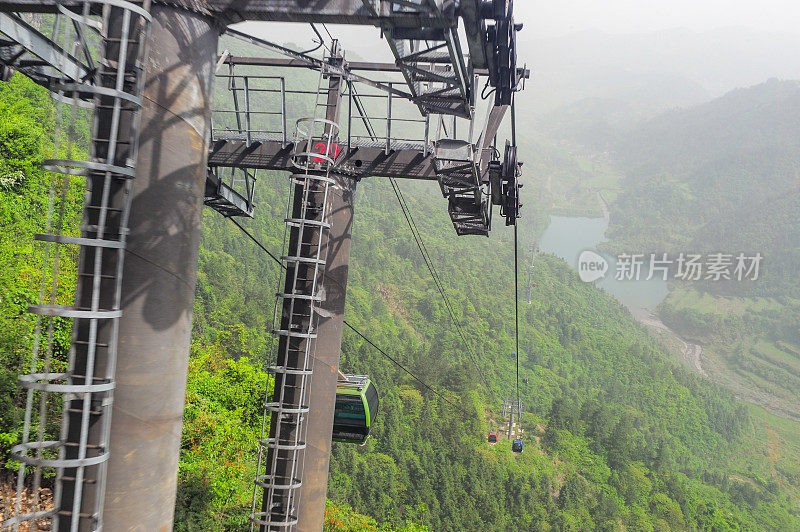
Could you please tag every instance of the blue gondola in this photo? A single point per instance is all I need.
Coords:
(516, 446)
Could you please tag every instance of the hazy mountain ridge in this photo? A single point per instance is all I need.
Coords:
(600, 65)
(591, 88)
(724, 177)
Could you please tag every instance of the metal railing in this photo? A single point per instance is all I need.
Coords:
(371, 118)
(245, 90)
(256, 108)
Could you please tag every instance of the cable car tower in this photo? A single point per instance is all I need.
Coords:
(513, 408)
(157, 157)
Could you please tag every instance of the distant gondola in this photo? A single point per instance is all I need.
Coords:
(356, 408)
(492, 437)
(516, 446)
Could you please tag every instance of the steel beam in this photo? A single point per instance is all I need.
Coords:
(230, 11)
(160, 272)
(52, 56)
(324, 11)
(316, 64)
(379, 13)
(475, 31)
(330, 11)
(494, 119)
(362, 66)
(366, 160)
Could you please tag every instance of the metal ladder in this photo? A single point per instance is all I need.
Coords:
(305, 238)
(457, 165)
(80, 396)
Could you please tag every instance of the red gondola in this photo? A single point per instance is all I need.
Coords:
(492, 437)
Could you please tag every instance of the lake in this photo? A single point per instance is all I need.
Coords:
(568, 236)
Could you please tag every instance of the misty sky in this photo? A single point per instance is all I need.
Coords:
(549, 18)
(555, 18)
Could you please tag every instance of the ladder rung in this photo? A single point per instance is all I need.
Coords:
(122, 105)
(301, 315)
(109, 140)
(307, 260)
(88, 445)
(72, 479)
(99, 208)
(83, 377)
(103, 276)
(92, 228)
(84, 342)
(295, 349)
(80, 411)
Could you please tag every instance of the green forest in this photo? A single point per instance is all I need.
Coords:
(618, 436)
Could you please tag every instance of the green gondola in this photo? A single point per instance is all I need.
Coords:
(356, 408)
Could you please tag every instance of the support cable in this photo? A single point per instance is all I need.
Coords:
(359, 333)
(425, 254)
(326, 31)
(416, 233)
(436, 278)
(401, 366)
(259, 244)
(320, 44)
(516, 306)
(516, 258)
(421, 244)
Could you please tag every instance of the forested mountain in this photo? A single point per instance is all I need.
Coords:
(618, 436)
(724, 177)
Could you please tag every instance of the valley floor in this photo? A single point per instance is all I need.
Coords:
(691, 352)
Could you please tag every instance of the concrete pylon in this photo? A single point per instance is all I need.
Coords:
(160, 272)
(326, 359)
